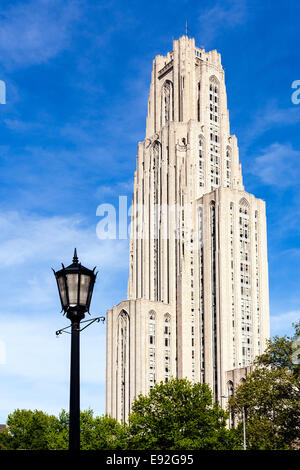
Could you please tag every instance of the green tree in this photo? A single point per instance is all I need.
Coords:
(27, 429)
(35, 430)
(100, 433)
(283, 352)
(178, 415)
(97, 433)
(271, 397)
(58, 435)
(5, 440)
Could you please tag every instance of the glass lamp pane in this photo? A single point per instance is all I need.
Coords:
(62, 290)
(84, 288)
(72, 280)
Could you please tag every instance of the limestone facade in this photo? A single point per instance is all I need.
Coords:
(197, 303)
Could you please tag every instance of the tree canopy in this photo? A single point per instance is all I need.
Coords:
(179, 415)
(35, 430)
(175, 415)
(283, 352)
(271, 397)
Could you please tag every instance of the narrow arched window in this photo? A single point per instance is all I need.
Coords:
(123, 358)
(155, 163)
(167, 103)
(201, 160)
(245, 283)
(214, 100)
(228, 167)
(167, 345)
(230, 388)
(151, 347)
(213, 226)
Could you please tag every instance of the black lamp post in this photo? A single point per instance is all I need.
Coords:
(75, 285)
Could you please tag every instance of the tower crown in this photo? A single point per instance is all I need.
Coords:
(177, 79)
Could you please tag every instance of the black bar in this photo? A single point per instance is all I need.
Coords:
(74, 429)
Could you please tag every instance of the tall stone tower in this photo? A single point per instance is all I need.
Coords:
(197, 303)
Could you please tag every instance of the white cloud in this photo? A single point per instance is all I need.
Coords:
(33, 351)
(270, 117)
(35, 373)
(18, 125)
(35, 31)
(35, 239)
(282, 324)
(36, 370)
(31, 245)
(119, 188)
(278, 165)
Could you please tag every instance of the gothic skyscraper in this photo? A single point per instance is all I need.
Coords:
(197, 303)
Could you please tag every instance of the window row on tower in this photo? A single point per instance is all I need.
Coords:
(215, 163)
(167, 101)
(152, 337)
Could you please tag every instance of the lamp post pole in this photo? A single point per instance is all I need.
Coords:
(244, 424)
(74, 415)
(75, 286)
(244, 430)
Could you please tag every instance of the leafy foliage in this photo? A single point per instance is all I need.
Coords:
(100, 433)
(271, 400)
(178, 415)
(26, 429)
(271, 397)
(35, 430)
(283, 352)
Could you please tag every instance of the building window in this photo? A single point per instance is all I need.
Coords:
(201, 161)
(167, 337)
(214, 297)
(122, 359)
(228, 167)
(213, 97)
(246, 288)
(167, 111)
(155, 219)
(151, 350)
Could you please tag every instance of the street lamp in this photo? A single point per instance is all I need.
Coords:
(75, 286)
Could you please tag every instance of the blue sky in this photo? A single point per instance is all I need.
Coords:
(77, 75)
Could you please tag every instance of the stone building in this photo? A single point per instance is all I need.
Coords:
(197, 303)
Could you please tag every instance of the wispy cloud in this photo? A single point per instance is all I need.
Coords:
(18, 125)
(30, 245)
(278, 165)
(36, 369)
(35, 31)
(222, 16)
(39, 360)
(268, 118)
(35, 239)
(119, 188)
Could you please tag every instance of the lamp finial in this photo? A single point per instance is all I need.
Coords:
(75, 257)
